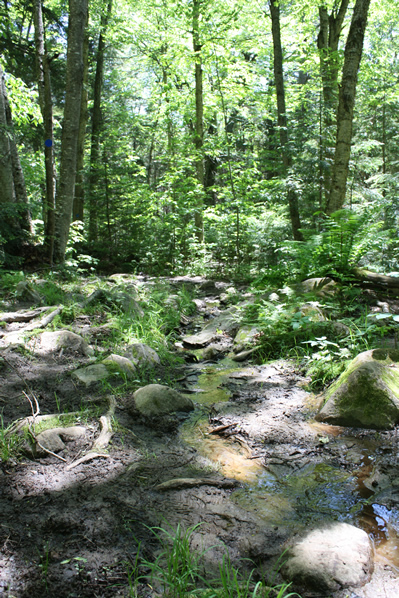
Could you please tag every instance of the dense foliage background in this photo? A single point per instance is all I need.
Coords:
(141, 148)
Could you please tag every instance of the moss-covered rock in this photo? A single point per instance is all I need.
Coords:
(156, 399)
(366, 395)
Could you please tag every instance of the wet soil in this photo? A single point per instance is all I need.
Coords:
(76, 532)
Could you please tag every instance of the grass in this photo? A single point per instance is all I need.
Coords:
(179, 571)
(10, 443)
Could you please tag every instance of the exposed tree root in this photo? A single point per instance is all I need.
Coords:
(180, 483)
(97, 450)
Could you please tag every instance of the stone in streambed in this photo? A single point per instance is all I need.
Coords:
(330, 558)
(156, 399)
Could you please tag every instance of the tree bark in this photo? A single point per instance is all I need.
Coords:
(78, 202)
(96, 128)
(282, 117)
(199, 122)
(327, 43)
(6, 176)
(70, 129)
(347, 93)
(46, 108)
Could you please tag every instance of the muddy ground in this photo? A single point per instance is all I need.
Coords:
(75, 532)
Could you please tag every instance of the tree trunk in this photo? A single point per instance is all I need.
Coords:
(6, 176)
(282, 116)
(96, 128)
(78, 202)
(70, 129)
(46, 108)
(199, 122)
(347, 92)
(327, 43)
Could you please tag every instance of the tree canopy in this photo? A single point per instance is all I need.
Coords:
(199, 136)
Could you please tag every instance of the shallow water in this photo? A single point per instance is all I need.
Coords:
(318, 491)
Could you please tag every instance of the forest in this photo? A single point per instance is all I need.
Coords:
(240, 138)
(199, 295)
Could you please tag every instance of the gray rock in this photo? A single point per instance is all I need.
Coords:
(64, 339)
(321, 287)
(53, 438)
(246, 335)
(328, 559)
(91, 374)
(142, 355)
(156, 399)
(25, 292)
(116, 364)
(199, 340)
(366, 395)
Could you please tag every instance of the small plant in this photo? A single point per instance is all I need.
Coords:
(10, 442)
(44, 563)
(177, 568)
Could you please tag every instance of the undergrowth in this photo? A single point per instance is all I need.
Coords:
(180, 571)
(321, 333)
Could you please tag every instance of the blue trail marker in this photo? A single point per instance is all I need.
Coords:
(48, 142)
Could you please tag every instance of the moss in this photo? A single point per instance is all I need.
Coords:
(367, 393)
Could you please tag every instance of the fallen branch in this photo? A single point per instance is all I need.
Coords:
(44, 321)
(219, 429)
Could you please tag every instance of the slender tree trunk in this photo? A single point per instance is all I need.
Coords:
(21, 196)
(96, 128)
(327, 43)
(347, 92)
(70, 129)
(6, 176)
(199, 121)
(46, 108)
(78, 202)
(282, 116)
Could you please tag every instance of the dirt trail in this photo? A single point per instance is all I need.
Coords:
(69, 533)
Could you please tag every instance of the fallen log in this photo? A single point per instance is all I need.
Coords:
(376, 279)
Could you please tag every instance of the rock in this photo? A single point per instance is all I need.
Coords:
(116, 364)
(246, 335)
(52, 439)
(243, 355)
(322, 287)
(199, 340)
(142, 355)
(156, 399)
(313, 312)
(64, 339)
(210, 353)
(366, 395)
(328, 559)
(125, 301)
(91, 374)
(25, 292)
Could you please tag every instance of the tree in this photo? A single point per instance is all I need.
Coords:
(347, 92)
(199, 120)
(96, 123)
(46, 108)
(15, 215)
(282, 117)
(70, 129)
(327, 44)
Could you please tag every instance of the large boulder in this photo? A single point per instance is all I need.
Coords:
(328, 559)
(156, 399)
(366, 395)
